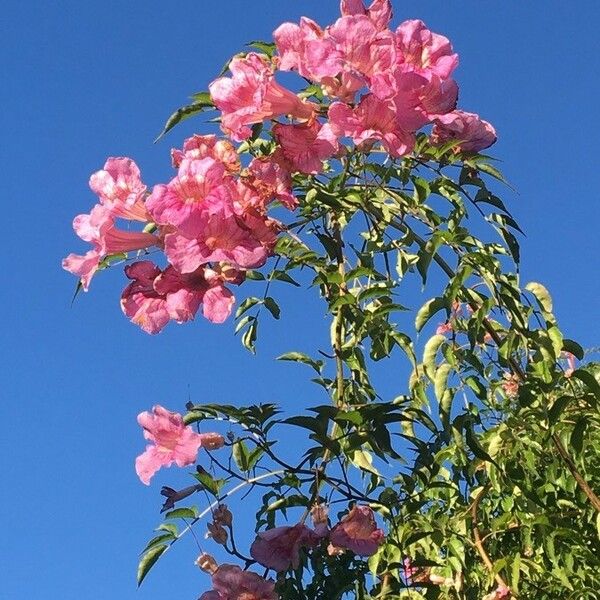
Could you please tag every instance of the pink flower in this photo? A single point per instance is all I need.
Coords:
(444, 328)
(372, 120)
(263, 181)
(84, 267)
(305, 147)
(306, 49)
(358, 532)
(502, 592)
(380, 11)
(511, 385)
(423, 51)
(173, 442)
(570, 357)
(222, 236)
(155, 297)
(231, 583)
(99, 229)
(198, 147)
(364, 52)
(252, 95)
(279, 548)
(473, 133)
(120, 189)
(184, 200)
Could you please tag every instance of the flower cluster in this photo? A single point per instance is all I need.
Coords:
(210, 221)
(279, 548)
(378, 87)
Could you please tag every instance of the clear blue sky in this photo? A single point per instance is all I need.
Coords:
(86, 80)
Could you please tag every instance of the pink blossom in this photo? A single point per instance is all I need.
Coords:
(423, 51)
(184, 200)
(98, 228)
(279, 548)
(231, 583)
(570, 357)
(306, 49)
(379, 12)
(198, 147)
(222, 236)
(173, 442)
(252, 95)
(155, 297)
(511, 385)
(84, 267)
(372, 120)
(306, 146)
(502, 592)
(364, 52)
(120, 189)
(358, 532)
(444, 328)
(263, 181)
(473, 133)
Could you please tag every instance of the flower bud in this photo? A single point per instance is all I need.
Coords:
(319, 514)
(222, 516)
(217, 533)
(207, 563)
(212, 441)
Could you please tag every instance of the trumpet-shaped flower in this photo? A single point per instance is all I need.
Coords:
(232, 583)
(358, 532)
(379, 12)
(372, 120)
(263, 181)
(279, 548)
(184, 200)
(98, 227)
(120, 189)
(222, 235)
(423, 51)
(473, 133)
(305, 147)
(198, 147)
(155, 297)
(172, 442)
(305, 48)
(251, 95)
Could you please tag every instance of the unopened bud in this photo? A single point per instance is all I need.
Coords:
(207, 563)
(222, 516)
(319, 514)
(217, 533)
(212, 441)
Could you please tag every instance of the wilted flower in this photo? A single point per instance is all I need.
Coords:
(279, 548)
(231, 583)
(358, 532)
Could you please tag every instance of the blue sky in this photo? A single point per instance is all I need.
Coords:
(85, 80)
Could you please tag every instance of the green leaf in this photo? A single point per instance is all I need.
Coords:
(182, 513)
(441, 380)
(246, 305)
(430, 352)
(574, 348)
(300, 357)
(541, 295)
(148, 561)
(185, 112)
(272, 306)
(430, 308)
(590, 381)
(241, 455)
